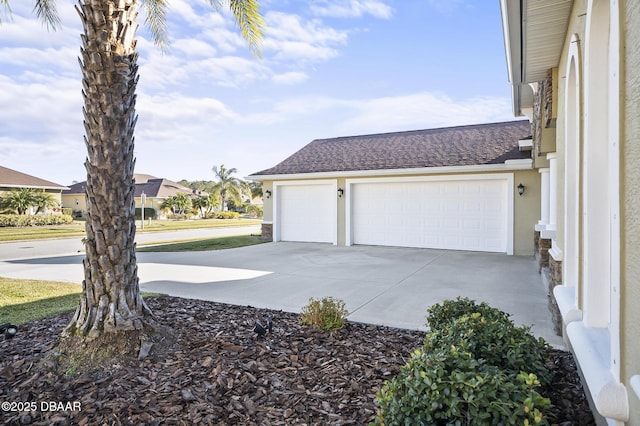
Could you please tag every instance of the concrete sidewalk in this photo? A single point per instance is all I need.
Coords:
(381, 285)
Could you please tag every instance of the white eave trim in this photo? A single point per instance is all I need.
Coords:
(55, 188)
(509, 165)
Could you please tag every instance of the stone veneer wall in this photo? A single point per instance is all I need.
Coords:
(267, 231)
(544, 245)
(555, 279)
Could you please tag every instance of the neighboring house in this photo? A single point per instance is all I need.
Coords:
(12, 179)
(156, 190)
(448, 188)
(575, 71)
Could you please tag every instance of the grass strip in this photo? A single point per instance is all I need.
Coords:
(22, 301)
(76, 229)
(219, 243)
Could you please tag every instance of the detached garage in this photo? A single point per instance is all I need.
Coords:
(450, 188)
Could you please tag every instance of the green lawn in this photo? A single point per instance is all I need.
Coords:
(206, 244)
(76, 229)
(22, 301)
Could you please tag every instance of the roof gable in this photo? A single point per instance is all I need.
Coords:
(480, 144)
(151, 186)
(13, 179)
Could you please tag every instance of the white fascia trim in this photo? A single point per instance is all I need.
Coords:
(566, 299)
(592, 347)
(267, 222)
(56, 188)
(509, 165)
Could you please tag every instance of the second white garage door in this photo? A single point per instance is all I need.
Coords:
(306, 213)
(442, 214)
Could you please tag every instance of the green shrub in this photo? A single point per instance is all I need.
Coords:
(326, 313)
(488, 334)
(255, 211)
(14, 220)
(475, 367)
(226, 215)
(149, 213)
(68, 211)
(442, 315)
(448, 386)
(501, 344)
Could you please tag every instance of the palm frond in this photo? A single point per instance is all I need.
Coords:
(5, 5)
(156, 21)
(47, 12)
(248, 18)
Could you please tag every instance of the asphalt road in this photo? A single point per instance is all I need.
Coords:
(67, 246)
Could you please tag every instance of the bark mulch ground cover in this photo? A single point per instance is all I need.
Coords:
(218, 372)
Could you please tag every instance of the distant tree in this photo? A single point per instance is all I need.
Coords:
(256, 189)
(19, 200)
(44, 200)
(227, 185)
(202, 204)
(178, 204)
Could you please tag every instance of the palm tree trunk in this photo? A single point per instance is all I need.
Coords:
(111, 299)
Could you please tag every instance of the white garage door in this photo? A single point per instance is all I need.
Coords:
(455, 214)
(307, 213)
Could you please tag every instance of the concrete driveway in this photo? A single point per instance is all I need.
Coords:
(381, 285)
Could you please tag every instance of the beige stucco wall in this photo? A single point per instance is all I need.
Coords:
(74, 202)
(526, 211)
(576, 26)
(526, 208)
(630, 198)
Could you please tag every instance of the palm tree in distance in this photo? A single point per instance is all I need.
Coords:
(227, 185)
(111, 300)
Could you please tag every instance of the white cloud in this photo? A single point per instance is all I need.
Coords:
(292, 77)
(425, 110)
(192, 48)
(292, 38)
(351, 8)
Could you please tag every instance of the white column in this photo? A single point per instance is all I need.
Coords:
(553, 191)
(544, 199)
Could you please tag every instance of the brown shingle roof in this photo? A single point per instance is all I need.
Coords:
(492, 143)
(152, 186)
(13, 179)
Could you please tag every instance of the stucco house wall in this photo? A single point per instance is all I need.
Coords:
(595, 254)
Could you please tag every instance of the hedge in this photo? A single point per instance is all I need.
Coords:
(15, 220)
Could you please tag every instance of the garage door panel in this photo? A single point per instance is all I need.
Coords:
(306, 213)
(460, 215)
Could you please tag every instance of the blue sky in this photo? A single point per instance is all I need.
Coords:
(329, 68)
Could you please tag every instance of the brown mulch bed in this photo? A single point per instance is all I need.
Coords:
(218, 372)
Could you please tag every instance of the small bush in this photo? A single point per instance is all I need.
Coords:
(442, 315)
(475, 367)
(68, 211)
(326, 314)
(15, 220)
(226, 215)
(255, 211)
(149, 213)
(489, 334)
(449, 386)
